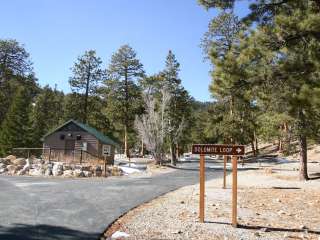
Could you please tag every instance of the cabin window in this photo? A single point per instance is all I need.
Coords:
(84, 146)
(78, 137)
(62, 136)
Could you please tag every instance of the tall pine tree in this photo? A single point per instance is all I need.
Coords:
(87, 74)
(123, 95)
(16, 127)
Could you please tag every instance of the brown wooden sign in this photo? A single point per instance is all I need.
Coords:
(218, 149)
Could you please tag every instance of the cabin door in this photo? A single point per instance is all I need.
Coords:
(69, 147)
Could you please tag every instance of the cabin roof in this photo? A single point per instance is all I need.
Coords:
(99, 135)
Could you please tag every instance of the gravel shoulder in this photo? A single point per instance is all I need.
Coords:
(272, 204)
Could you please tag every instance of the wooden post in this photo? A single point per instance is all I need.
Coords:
(80, 156)
(234, 191)
(49, 155)
(28, 153)
(202, 188)
(225, 159)
(105, 166)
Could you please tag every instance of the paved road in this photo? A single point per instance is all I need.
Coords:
(55, 208)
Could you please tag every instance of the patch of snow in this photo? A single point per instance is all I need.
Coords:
(129, 170)
(133, 165)
(27, 184)
(119, 234)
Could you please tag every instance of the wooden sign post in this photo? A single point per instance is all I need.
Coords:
(234, 190)
(202, 188)
(225, 159)
(225, 150)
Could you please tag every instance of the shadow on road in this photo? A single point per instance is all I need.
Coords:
(208, 169)
(43, 232)
(275, 229)
(268, 229)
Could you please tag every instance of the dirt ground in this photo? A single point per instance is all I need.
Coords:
(272, 204)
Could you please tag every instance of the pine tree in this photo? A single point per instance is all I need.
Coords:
(71, 109)
(179, 108)
(15, 71)
(87, 74)
(123, 95)
(280, 64)
(16, 127)
(14, 60)
(46, 113)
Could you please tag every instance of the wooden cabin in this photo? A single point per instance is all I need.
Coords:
(74, 139)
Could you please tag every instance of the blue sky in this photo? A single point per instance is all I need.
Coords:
(56, 32)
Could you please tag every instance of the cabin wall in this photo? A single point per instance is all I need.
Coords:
(54, 141)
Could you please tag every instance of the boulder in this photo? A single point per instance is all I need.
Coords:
(3, 168)
(57, 169)
(78, 167)
(19, 161)
(37, 161)
(11, 169)
(5, 161)
(35, 172)
(87, 173)
(98, 171)
(10, 158)
(24, 170)
(67, 167)
(68, 173)
(48, 172)
(78, 173)
(115, 171)
(87, 168)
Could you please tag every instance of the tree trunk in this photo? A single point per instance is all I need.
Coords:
(177, 151)
(280, 145)
(158, 159)
(256, 141)
(142, 148)
(289, 143)
(126, 148)
(253, 149)
(303, 172)
(173, 154)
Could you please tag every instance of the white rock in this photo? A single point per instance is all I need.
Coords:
(57, 169)
(3, 170)
(24, 170)
(19, 161)
(87, 173)
(68, 173)
(35, 172)
(119, 234)
(28, 162)
(78, 173)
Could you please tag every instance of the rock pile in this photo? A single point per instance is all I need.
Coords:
(11, 165)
